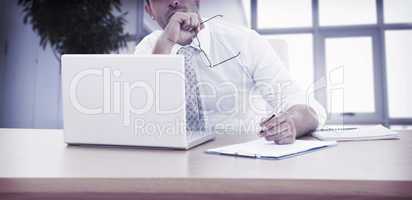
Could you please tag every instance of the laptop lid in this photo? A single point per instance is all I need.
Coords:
(124, 100)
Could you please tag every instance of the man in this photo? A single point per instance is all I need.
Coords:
(232, 60)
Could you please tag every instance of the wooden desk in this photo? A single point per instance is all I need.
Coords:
(36, 164)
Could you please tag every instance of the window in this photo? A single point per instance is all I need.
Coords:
(284, 14)
(347, 12)
(399, 71)
(353, 43)
(398, 11)
(246, 9)
(349, 64)
(131, 17)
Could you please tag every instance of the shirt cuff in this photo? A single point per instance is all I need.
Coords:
(315, 105)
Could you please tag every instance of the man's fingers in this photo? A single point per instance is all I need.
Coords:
(275, 120)
(286, 140)
(278, 119)
(276, 127)
(190, 24)
(280, 129)
(277, 136)
(263, 120)
(194, 21)
(270, 138)
(188, 21)
(284, 136)
(274, 131)
(187, 24)
(183, 19)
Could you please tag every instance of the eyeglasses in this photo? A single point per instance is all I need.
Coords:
(206, 58)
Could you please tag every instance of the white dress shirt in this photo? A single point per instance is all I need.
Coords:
(234, 93)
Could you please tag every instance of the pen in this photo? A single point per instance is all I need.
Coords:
(271, 117)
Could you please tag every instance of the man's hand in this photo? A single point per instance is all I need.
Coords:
(281, 129)
(286, 127)
(181, 29)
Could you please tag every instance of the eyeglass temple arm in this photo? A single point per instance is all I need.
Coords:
(238, 54)
(211, 18)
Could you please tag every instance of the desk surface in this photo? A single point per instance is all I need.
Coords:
(39, 161)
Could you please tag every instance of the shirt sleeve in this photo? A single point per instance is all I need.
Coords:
(273, 81)
(147, 44)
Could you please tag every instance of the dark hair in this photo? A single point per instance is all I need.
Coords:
(147, 1)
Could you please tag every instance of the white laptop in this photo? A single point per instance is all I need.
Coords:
(126, 100)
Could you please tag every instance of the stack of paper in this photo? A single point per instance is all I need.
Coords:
(263, 149)
(361, 133)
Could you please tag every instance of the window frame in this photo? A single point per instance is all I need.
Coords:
(358, 118)
(380, 66)
(140, 31)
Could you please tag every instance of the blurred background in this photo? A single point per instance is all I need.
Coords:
(354, 56)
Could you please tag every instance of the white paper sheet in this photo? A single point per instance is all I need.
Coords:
(263, 149)
(377, 132)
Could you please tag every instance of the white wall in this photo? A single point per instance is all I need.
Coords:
(2, 52)
(30, 76)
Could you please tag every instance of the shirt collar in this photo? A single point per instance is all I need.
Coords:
(204, 38)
